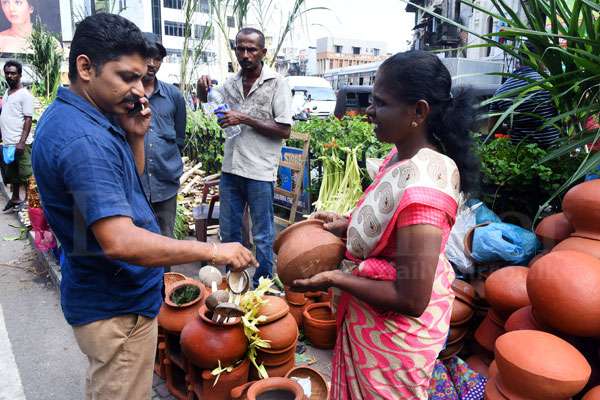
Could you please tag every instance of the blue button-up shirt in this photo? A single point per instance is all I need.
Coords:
(164, 143)
(85, 171)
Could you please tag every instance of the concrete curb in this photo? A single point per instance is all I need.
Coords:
(45, 259)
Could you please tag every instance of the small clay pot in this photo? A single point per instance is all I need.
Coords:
(506, 290)
(274, 358)
(490, 329)
(583, 245)
(305, 249)
(451, 350)
(457, 333)
(320, 325)
(478, 364)
(461, 312)
(225, 383)
(562, 287)
(171, 278)
(296, 312)
(318, 384)
(592, 394)
(172, 317)
(553, 230)
(464, 291)
(252, 390)
(581, 206)
(273, 309)
(294, 298)
(538, 365)
(492, 392)
(522, 319)
(205, 342)
(281, 333)
(281, 370)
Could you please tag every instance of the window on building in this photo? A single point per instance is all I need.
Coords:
(376, 52)
(176, 4)
(173, 56)
(203, 6)
(330, 64)
(232, 44)
(174, 28)
(355, 50)
(203, 32)
(338, 49)
(231, 22)
(156, 11)
(109, 6)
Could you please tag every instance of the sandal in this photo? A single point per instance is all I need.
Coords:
(11, 204)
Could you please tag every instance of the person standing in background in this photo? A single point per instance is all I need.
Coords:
(164, 140)
(15, 123)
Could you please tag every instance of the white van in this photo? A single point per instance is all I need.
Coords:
(312, 93)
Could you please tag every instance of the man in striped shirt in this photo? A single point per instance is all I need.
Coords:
(526, 122)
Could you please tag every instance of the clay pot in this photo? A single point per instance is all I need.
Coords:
(506, 290)
(493, 371)
(490, 329)
(171, 278)
(563, 288)
(583, 245)
(593, 394)
(457, 333)
(278, 388)
(172, 317)
(318, 384)
(296, 312)
(274, 358)
(281, 333)
(451, 350)
(205, 343)
(478, 364)
(464, 291)
(538, 365)
(461, 312)
(294, 298)
(320, 325)
(553, 230)
(273, 309)
(537, 257)
(226, 382)
(492, 392)
(581, 206)
(281, 370)
(522, 319)
(305, 249)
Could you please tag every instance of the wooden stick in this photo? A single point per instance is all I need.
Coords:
(186, 175)
(188, 187)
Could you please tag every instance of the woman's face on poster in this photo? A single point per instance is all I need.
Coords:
(17, 12)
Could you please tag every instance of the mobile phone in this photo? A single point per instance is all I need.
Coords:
(137, 107)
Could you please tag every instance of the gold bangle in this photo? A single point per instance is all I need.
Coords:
(214, 254)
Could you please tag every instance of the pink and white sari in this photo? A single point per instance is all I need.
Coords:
(386, 355)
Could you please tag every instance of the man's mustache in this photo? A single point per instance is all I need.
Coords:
(131, 99)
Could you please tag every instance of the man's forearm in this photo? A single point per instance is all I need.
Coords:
(137, 147)
(26, 129)
(271, 129)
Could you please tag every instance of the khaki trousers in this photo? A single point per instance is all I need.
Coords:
(121, 353)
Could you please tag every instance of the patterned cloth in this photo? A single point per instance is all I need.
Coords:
(382, 354)
(454, 380)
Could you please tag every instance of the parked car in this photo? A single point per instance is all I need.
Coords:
(312, 94)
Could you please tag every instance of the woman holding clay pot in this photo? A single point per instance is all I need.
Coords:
(395, 307)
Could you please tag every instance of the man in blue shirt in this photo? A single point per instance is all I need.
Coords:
(164, 141)
(88, 153)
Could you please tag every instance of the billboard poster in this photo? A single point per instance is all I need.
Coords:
(18, 17)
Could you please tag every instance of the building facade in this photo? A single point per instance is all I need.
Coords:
(332, 53)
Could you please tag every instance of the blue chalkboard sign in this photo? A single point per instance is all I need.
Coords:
(287, 180)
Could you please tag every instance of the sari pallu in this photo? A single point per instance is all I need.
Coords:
(386, 355)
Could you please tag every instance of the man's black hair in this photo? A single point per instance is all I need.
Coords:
(157, 50)
(105, 37)
(251, 31)
(14, 63)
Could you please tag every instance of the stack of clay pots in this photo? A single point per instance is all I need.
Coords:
(506, 292)
(536, 365)
(297, 301)
(172, 319)
(462, 313)
(319, 324)
(270, 388)
(281, 331)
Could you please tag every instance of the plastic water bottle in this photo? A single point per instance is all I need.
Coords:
(216, 104)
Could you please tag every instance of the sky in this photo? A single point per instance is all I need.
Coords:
(383, 20)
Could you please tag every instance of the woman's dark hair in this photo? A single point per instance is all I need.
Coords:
(418, 75)
(14, 63)
(105, 37)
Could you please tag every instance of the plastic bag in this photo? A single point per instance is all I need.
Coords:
(504, 242)
(482, 213)
(44, 238)
(8, 153)
(455, 248)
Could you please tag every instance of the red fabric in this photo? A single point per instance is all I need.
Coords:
(44, 238)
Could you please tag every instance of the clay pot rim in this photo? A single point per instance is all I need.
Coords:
(269, 350)
(171, 278)
(279, 314)
(306, 314)
(459, 338)
(206, 374)
(290, 357)
(290, 299)
(202, 314)
(320, 376)
(276, 383)
(585, 235)
(461, 294)
(185, 282)
(282, 235)
(457, 348)
(467, 318)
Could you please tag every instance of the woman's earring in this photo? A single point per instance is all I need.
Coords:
(414, 124)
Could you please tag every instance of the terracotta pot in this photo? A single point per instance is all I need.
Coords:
(227, 381)
(553, 230)
(464, 291)
(492, 392)
(537, 257)
(205, 343)
(281, 333)
(171, 317)
(252, 390)
(581, 206)
(563, 288)
(451, 350)
(318, 384)
(296, 312)
(294, 298)
(281, 370)
(539, 365)
(319, 325)
(273, 309)
(522, 319)
(506, 290)
(305, 249)
(457, 333)
(493, 372)
(171, 278)
(274, 358)
(478, 364)
(461, 312)
(490, 329)
(592, 394)
(583, 245)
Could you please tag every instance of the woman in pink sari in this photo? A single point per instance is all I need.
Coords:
(394, 311)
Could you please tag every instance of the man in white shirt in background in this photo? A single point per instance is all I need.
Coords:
(15, 125)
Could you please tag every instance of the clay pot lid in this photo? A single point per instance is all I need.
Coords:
(584, 245)
(318, 384)
(286, 232)
(182, 283)
(464, 291)
(461, 312)
(506, 290)
(274, 308)
(522, 319)
(491, 390)
(542, 354)
(592, 394)
(555, 228)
